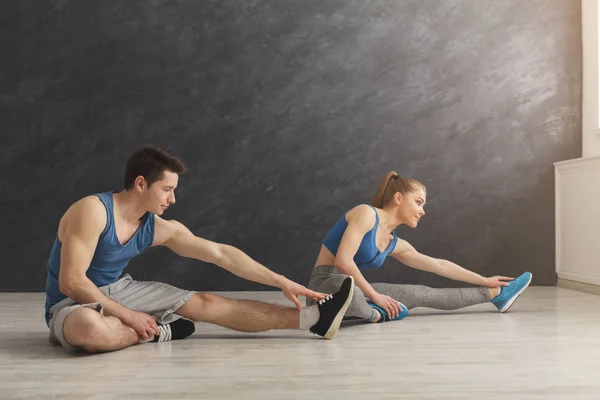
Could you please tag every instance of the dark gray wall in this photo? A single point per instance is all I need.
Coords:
(288, 113)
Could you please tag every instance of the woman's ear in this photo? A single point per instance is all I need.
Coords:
(398, 198)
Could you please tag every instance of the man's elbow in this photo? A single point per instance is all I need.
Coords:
(69, 286)
(221, 255)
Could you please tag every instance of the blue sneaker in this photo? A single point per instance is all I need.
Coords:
(402, 315)
(508, 294)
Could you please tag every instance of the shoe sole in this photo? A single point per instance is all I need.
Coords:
(337, 321)
(514, 298)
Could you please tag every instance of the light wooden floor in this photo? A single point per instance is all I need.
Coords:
(546, 347)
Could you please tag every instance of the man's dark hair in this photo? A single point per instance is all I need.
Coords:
(151, 161)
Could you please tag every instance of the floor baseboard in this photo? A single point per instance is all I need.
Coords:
(578, 286)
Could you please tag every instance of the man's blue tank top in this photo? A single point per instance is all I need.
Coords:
(368, 255)
(110, 257)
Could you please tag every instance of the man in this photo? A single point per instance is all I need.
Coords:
(89, 307)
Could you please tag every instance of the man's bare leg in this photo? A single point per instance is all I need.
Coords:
(323, 319)
(240, 315)
(96, 333)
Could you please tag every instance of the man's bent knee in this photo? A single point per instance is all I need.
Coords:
(85, 328)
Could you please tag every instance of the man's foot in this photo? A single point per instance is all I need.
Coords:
(332, 309)
(384, 316)
(508, 294)
(176, 330)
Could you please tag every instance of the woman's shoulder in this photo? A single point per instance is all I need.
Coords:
(362, 214)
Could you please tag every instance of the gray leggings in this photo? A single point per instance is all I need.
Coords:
(327, 279)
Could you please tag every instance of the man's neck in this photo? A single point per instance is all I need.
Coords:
(128, 207)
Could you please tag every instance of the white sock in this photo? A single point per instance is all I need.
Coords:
(150, 339)
(376, 317)
(309, 316)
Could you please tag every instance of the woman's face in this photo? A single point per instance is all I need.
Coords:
(410, 207)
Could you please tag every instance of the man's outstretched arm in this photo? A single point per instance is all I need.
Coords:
(182, 241)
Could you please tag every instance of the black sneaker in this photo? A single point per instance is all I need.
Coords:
(176, 330)
(332, 309)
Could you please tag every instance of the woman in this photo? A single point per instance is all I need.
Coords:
(364, 237)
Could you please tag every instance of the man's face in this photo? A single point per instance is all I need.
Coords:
(161, 194)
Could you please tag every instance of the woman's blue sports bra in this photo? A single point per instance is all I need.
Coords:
(368, 255)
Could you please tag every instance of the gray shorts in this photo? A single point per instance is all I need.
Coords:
(154, 298)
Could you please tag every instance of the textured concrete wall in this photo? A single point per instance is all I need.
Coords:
(288, 113)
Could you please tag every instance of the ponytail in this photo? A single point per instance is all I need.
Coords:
(392, 184)
(378, 199)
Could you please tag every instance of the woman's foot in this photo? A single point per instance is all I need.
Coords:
(384, 316)
(494, 291)
(508, 294)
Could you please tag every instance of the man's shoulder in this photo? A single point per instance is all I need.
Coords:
(89, 207)
(91, 203)
(165, 229)
(167, 225)
(86, 216)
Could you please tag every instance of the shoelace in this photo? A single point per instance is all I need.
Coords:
(329, 297)
(165, 333)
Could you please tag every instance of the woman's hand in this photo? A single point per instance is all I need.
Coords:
(391, 306)
(496, 281)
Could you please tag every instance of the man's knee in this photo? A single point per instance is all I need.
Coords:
(85, 328)
(202, 307)
(207, 301)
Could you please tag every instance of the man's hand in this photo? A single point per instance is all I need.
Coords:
(142, 323)
(292, 290)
